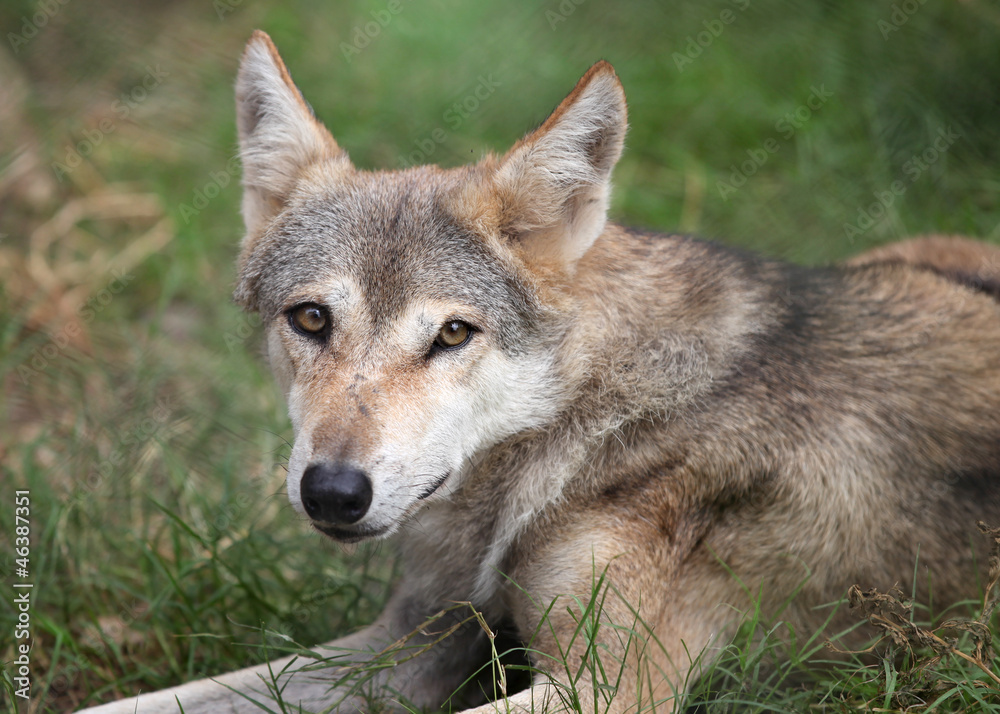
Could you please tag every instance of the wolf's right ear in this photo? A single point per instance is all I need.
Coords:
(279, 135)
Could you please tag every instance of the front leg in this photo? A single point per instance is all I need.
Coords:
(412, 653)
(615, 621)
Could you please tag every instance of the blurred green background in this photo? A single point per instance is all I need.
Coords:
(135, 407)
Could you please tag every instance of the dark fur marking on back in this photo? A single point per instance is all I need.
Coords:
(979, 480)
(975, 281)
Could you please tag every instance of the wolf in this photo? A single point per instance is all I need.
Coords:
(608, 443)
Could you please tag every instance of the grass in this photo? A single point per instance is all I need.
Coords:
(135, 407)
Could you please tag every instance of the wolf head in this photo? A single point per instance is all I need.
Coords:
(413, 318)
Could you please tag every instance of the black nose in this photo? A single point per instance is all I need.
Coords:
(335, 493)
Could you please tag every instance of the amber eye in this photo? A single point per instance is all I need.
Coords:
(309, 319)
(454, 334)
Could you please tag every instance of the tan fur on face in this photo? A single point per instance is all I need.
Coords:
(373, 400)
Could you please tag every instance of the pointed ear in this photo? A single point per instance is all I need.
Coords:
(279, 135)
(553, 186)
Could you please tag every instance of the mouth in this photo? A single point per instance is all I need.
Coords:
(433, 487)
(350, 535)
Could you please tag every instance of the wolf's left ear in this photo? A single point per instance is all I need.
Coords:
(553, 186)
(278, 134)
